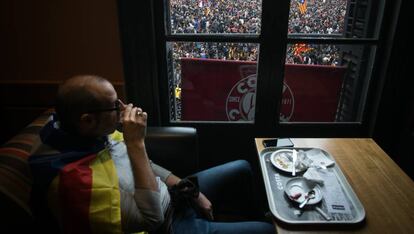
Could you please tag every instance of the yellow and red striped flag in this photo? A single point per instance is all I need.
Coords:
(84, 193)
(302, 6)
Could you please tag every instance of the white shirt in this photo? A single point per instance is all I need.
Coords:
(141, 209)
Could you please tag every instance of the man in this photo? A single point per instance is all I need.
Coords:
(96, 179)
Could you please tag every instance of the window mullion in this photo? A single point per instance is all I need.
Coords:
(271, 64)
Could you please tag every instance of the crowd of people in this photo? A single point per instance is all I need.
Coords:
(320, 17)
(313, 54)
(323, 17)
(243, 16)
(215, 16)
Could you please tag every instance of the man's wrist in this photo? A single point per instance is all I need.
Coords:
(172, 180)
(136, 145)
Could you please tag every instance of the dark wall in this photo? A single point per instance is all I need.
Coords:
(44, 42)
(394, 130)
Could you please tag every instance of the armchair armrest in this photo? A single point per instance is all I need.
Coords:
(174, 148)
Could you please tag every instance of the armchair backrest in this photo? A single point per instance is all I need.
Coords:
(175, 148)
(15, 176)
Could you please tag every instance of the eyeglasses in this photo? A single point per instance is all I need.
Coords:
(117, 108)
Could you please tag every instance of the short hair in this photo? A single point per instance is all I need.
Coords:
(77, 96)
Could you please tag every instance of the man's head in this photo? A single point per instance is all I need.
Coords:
(88, 106)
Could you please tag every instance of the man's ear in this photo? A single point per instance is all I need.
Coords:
(86, 121)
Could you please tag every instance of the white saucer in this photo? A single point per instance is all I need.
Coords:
(300, 185)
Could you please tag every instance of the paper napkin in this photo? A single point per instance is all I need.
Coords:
(319, 159)
(313, 175)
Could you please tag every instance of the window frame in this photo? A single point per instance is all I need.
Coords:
(145, 31)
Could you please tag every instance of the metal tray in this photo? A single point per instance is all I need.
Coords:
(336, 188)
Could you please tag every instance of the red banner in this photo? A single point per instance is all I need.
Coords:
(220, 90)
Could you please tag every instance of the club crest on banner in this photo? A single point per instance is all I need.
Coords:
(241, 101)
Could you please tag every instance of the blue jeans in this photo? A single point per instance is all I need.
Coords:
(229, 187)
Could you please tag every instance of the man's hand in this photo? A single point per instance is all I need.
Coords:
(204, 206)
(134, 123)
(201, 203)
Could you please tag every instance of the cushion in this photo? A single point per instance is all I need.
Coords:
(15, 177)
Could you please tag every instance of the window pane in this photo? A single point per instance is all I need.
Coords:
(317, 16)
(325, 83)
(212, 81)
(215, 16)
(335, 18)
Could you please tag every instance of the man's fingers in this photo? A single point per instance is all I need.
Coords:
(139, 111)
(131, 111)
(127, 111)
(135, 113)
(210, 215)
(123, 105)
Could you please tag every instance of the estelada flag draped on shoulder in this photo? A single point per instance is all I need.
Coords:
(80, 185)
(88, 197)
(302, 6)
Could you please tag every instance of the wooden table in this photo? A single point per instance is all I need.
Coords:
(385, 191)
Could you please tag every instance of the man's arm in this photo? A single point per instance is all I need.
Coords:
(134, 123)
(147, 196)
(144, 177)
(172, 180)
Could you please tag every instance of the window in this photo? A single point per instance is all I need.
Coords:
(285, 66)
(325, 75)
(213, 80)
(330, 52)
